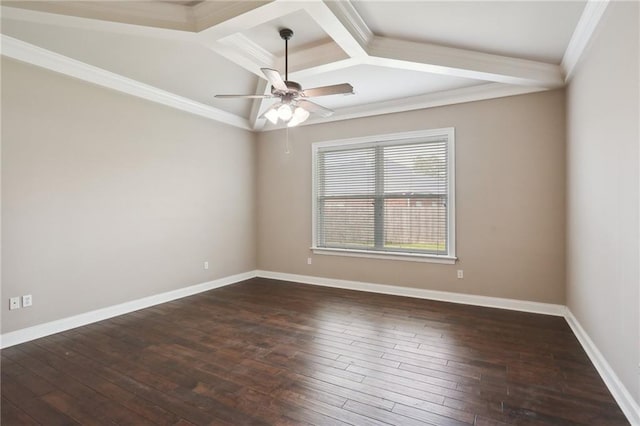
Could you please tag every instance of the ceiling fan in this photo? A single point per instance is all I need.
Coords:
(293, 107)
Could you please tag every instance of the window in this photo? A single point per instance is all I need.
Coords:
(389, 195)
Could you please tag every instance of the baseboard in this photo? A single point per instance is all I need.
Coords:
(443, 296)
(627, 404)
(46, 329)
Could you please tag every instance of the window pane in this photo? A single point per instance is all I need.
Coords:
(346, 223)
(416, 224)
(347, 172)
(416, 169)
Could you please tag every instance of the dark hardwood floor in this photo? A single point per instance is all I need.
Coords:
(268, 352)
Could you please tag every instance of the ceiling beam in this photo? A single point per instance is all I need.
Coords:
(351, 21)
(256, 16)
(222, 32)
(317, 59)
(77, 22)
(471, 64)
(348, 37)
(148, 14)
(213, 13)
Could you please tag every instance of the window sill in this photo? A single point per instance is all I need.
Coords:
(411, 257)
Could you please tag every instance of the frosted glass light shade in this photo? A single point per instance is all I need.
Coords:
(285, 113)
(299, 115)
(272, 115)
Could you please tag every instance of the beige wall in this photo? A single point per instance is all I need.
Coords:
(107, 198)
(510, 166)
(603, 192)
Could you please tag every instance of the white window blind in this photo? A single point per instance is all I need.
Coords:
(390, 196)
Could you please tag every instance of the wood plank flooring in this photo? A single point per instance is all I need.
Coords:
(269, 352)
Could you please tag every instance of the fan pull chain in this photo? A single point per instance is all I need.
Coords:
(286, 143)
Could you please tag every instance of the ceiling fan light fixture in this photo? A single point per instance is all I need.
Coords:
(285, 112)
(272, 115)
(299, 115)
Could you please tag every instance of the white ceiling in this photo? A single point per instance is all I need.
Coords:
(397, 55)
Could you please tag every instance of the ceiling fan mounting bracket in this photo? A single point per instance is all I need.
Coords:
(286, 33)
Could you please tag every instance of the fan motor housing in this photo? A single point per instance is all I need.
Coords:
(293, 89)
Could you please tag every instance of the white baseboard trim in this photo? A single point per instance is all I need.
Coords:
(49, 328)
(443, 296)
(627, 404)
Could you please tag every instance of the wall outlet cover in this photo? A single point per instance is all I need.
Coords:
(14, 303)
(27, 300)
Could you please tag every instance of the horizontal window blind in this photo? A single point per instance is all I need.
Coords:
(388, 196)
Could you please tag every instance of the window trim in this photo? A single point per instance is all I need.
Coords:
(449, 133)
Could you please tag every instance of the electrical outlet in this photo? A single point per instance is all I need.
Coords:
(206, 265)
(14, 303)
(27, 300)
(309, 261)
(460, 274)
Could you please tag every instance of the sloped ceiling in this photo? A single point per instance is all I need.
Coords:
(397, 55)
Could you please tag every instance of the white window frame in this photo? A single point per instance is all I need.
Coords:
(449, 133)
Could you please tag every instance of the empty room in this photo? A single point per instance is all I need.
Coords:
(320, 212)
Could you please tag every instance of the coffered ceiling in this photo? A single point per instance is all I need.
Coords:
(397, 55)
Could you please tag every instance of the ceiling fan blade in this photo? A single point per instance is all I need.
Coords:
(336, 89)
(244, 96)
(315, 108)
(274, 78)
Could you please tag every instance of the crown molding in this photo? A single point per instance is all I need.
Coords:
(25, 52)
(585, 29)
(479, 92)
